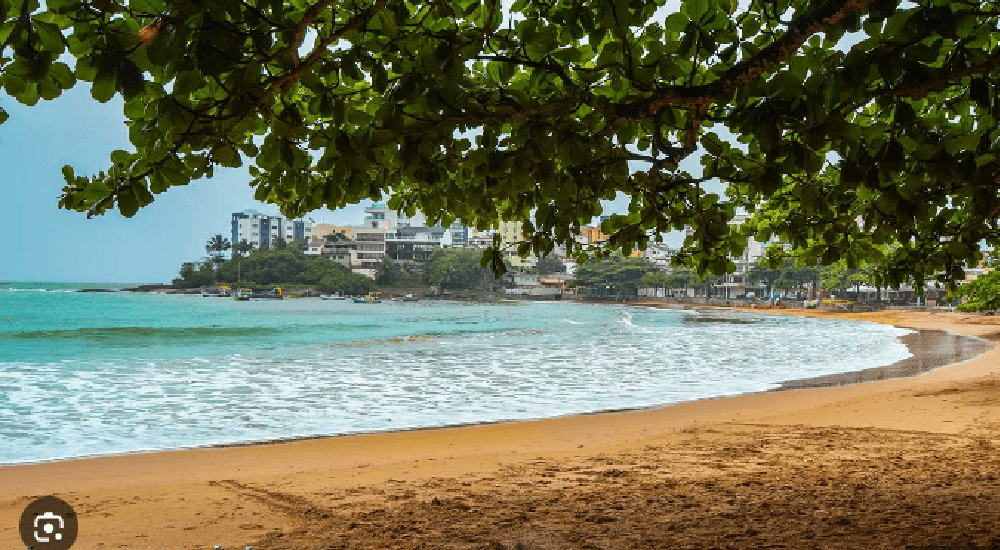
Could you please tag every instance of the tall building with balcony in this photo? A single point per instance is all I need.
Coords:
(321, 230)
(371, 249)
(414, 243)
(262, 230)
(380, 216)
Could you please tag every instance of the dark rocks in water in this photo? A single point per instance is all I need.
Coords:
(710, 319)
(149, 288)
(96, 290)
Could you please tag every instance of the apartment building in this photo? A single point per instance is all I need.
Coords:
(371, 249)
(592, 235)
(479, 239)
(414, 243)
(321, 230)
(379, 216)
(261, 230)
(511, 235)
(342, 252)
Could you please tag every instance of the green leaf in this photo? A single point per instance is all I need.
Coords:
(128, 203)
(148, 6)
(388, 22)
(695, 9)
(676, 22)
(50, 36)
(95, 191)
(6, 29)
(119, 157)
(103, 88)
(62, 75)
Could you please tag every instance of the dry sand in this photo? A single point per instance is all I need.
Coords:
(882, 464)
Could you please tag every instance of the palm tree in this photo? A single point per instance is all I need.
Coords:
(217, 244)
(241, 247)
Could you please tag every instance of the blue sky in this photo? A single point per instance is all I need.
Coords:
(50, 244)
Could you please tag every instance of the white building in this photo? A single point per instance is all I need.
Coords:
(261, 230)
(371, 249)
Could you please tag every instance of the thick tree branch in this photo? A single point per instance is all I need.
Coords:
(355, 22)
(739, 74)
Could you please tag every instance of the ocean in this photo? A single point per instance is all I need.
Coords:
(91, 374)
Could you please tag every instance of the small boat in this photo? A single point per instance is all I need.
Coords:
(243, 295)
(276, 293)
(370, 299)
(336, 296)
(409, 298)
(220, 292)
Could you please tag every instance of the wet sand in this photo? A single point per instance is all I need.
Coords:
(930, 349)
(880, 464)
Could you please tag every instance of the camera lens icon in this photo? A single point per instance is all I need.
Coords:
(49, 523)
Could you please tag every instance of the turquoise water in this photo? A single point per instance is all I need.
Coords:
(86, 374)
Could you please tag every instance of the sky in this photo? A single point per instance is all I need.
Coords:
(46, 243)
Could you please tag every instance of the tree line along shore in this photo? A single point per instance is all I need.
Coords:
(459, 272)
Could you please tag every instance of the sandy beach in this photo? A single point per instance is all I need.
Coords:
(884, 463)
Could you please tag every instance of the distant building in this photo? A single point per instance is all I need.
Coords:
(659, 254)
(379, 216)
(262, 230)
(593, 235)
(477, 239)
(458, 234)
(321, 230)
(371, 249)
(511, 235)
(342, 252)
(414, 243)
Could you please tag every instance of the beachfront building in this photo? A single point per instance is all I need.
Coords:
(344, 252)
(659, 254)
(379, 216)
(479, 239)
(321, 230)
(736, 284)
(511, 235)
(371, 249)
(458, 235)
(414, 243)
(592, 235)
(262, 230)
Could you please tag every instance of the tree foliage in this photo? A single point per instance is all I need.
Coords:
(787, 275)
(537, 115)
(217, 244)
(458, 269)
(550, 264)
(241, 248)
(290, 266)
(392, 273)
(840, 277)
(617, 271)
(195, 275)
(981, 294)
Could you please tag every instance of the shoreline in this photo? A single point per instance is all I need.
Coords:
(930, 349)
(541, 483)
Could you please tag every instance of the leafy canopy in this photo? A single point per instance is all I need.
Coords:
(457, 269)
(981, 294)
(616, 272)
(463, 111)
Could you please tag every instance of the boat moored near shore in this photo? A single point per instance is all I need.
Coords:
(215, 292)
